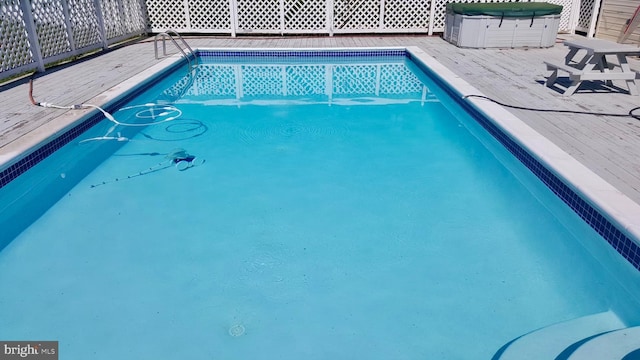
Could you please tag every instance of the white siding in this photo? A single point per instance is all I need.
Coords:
(614, 15)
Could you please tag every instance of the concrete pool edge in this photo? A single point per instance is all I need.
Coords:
(616, 207)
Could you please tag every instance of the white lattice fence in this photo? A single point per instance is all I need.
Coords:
(305, 15)
(569, 16)
(52, 31)
(134, 19)
(358, 15)
(112, 16)
(259, 15)
(84, 24)
(439, 13)
(588, 16)
(407, 15)
(15, 51)
(208, 15)
(167, 14)
(35, 33)
(325, 16)
(586, 8)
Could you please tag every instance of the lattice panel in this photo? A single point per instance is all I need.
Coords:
(310, 16)
(586, 12)
(565, 17)
(304, 80)
(84, 23)
(134, 16)
(50, 27)
(356, 14)
(15, 50)
(406, 14)
(167, 14)
(262, 80)
(112, 18)
(305, 14)
(398, 79)
(355, 79)
(440, 12)
(258, 14)
(210, 14)
(62, 27)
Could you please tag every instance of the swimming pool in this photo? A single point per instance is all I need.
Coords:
(321, 223)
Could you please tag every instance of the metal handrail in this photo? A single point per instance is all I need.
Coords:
(164, 36)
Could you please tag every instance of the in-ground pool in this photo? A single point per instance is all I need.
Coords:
(295, 205)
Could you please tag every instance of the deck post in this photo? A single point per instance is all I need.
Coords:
(329, 12)
(100, 18)
(30, 26)
(233, 10)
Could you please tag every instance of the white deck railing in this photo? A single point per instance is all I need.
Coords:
(35, 33)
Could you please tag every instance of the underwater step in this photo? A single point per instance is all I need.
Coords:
(612, 345)
(549, 342)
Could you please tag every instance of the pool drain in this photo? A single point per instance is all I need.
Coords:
(236, 330)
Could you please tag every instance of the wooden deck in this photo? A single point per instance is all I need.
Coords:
(609, 146)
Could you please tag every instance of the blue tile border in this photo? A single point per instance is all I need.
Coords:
(626, 246)
(13, 171)
(302, 56)
(343, 53)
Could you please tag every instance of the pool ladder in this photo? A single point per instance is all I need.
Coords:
(167, 34)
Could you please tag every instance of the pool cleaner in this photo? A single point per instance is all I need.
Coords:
(178, 158)
(183, 160)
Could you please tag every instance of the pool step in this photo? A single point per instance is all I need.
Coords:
(614, 345)
(552, 341)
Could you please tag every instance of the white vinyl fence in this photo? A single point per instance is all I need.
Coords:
(327, 17)
(35, 33)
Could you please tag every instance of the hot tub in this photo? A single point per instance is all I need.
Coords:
(511, 25)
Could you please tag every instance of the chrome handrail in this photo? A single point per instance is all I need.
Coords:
(164, 36)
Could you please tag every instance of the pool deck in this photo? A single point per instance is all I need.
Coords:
(608, 146)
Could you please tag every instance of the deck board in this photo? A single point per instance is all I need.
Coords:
(610, 146)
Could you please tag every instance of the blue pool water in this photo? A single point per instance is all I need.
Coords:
(343, 210)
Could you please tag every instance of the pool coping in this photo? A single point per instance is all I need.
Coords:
(617, 208)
